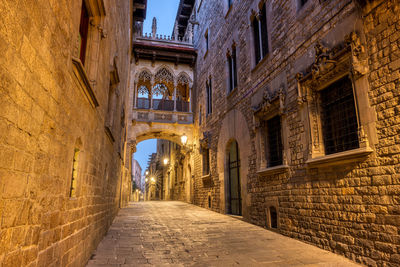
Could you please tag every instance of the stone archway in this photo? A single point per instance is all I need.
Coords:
(234, 127)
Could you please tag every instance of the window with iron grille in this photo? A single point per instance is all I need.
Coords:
(339, 117)
(260, 33)
(274, 142)
(206, 161)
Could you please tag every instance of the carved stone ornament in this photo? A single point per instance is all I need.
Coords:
(272, 102)
(205, 142)
(358, 55)
(323, 60)
(328, 65)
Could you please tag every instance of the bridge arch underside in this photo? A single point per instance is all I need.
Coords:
(141, 131)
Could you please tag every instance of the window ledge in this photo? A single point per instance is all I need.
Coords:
(229, 11)
(340, 158)
(109, 134)
(84, 83)
(205, 177)
(260, 63)
(230, 93)
(207, 181)
(273, 170)
(205, 55)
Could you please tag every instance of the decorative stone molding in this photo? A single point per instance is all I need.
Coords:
(83, 81)
(205, 142)
(271, 103)
(109, 133)
(114, 75)
(331, 64)
(358, 55)
(96, 8)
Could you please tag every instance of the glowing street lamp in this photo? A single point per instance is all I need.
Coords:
(146, 180)
(147, 172)
(184, 139)
(152, 179)
(165, 161)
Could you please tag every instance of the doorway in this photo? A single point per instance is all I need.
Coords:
(234, 196)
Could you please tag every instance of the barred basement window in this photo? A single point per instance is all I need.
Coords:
(206, 161)
(260, 33)
(339, 118)
(72, 191)
(83, 32)
(273, 215)
(232, 69)
(274, 142)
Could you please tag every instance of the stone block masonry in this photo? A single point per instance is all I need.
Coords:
(44, 116)
(350, 207)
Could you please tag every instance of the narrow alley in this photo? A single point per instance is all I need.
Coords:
(180, 234)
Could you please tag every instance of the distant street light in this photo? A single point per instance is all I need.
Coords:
(147, 172)
(184, 139)
(165, 161)
(152, 179)
(146, 180)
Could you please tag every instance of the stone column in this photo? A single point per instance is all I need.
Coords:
(135, 96)
(190, 98)
(151, 94)
(175, 95)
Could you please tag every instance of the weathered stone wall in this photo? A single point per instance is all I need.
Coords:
(44, 116)
(351, 209)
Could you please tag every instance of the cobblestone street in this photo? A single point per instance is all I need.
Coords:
(179, 234)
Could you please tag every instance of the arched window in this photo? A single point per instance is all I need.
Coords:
(260, 34)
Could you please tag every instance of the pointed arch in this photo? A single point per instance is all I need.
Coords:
(164, 75)
(143, 79)
(183, 86)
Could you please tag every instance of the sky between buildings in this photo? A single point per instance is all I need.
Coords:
(165, 12)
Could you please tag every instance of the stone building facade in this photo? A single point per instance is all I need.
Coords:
(297, 104)
(64, 172)
(175, 171)
(136, 180)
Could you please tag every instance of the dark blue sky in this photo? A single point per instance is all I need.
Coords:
(165, 12)
(143, 150)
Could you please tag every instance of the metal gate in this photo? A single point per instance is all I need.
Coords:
(235, 199)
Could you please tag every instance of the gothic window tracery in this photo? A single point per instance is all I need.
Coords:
(160, 91)
(143, 92)
(182, 92)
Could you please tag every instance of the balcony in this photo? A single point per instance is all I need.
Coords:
(163, 110)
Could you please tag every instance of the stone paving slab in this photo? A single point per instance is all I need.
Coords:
(168, 233)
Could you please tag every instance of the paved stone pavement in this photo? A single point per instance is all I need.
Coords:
(180, 234)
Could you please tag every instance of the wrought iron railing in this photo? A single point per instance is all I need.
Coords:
(182, 106)
(163, 104)
(143, 103)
